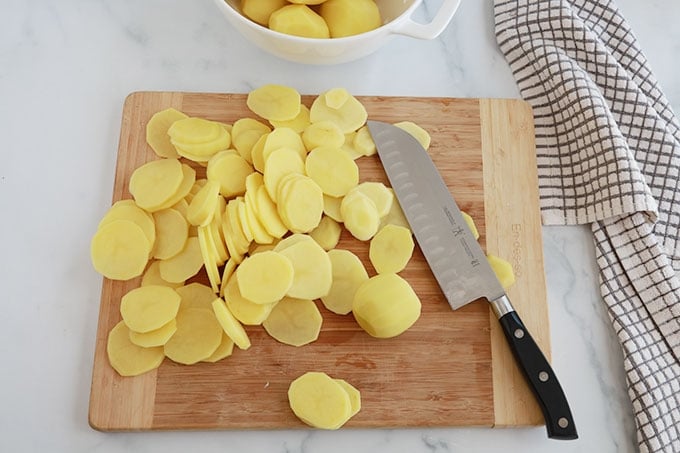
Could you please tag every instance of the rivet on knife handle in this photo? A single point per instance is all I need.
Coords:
(537, 371)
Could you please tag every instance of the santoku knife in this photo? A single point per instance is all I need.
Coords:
(459, 264)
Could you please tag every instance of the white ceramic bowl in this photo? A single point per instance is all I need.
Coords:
(397, 20)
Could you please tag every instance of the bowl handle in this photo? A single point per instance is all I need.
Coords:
(435, 27)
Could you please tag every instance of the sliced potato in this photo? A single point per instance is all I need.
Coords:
(230, 325)
(333, 170)
(195, 295)
(152, 276)
(386, 306)
(301, 204)
(184, 265)
(155, 182)
(503, 270)
(350, 116)
(471, 224)
(295, 322)
(197, 337)
(157, 132)
(319, 401)
(271, 101)
(202, 207)
(154, 338)
(336, 97)
(331, 207)
(354, 396)
(127, 358)
(148, 308)
(298, 124)
(312, 274)
(247, 312)
(265, 278)
(323, 133)
(360, 215)
(120, 250)
(188, 180)
(223, 351)
(280, 163)
(172, 230)
(391, 249)
(327, 234)
(416, 131)
(349, 274)
(379, 194)
(229, 169)
(268, 215)
(128, 210)
(362, 142)
(194, 130)
(395, 216)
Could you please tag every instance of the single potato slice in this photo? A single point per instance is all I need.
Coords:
(336, 97)
(503, 270)
(417, 132)
(331, 207)
(471, 224)
(247, 312)
(299, 20)
(386, 306)
(148, 308)
(224, 350)
(312, 273)
(333, 170)
(395, 216)
(152, 276)
(188, 180)
(298, 124)
(184, 265)
(202, 152)
(360, 215)
(354, 396)
(120, 250)
(197, 337)
(350, 116)
(157, 132)
(327, 234)
(156, 337)
(379, 194)
(295, 322)
(319, 401)
(230, 170)
(349, 274)
(172, 230)
(265, 278)
(350, 17)
(230, 325)
(362, 142)
(268, 215)
(127, 358)
(300, 204)
(280, 163)
(323, 133)
(275, 102)
(194, 131)
(128, 210)
(155, 182)
(195, 295)
(202, 207)
(391, 249)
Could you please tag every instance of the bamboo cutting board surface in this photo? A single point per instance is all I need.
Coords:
(450, 369)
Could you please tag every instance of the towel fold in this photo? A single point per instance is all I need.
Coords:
(608, 149)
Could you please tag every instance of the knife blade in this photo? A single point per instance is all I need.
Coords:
(459, 264)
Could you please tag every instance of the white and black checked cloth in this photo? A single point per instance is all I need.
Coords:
(608, 147)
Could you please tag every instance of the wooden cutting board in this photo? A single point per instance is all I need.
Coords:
(450, 369)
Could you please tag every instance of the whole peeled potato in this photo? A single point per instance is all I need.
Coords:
(350, 17)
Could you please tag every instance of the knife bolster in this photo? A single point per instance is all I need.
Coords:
(501, 306)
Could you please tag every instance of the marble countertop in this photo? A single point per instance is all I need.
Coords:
(65, 69)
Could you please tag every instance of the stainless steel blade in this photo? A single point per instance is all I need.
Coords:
(454, 255)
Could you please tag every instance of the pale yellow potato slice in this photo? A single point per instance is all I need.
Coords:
(416, 131)
(127, 358)
(331, 207)
(224, 350)
(336, 97)
(260, 10)
(354, 396)
(260, 234)
(301, 204)
(350, 17)
(299, 20)
(230, 237)
(128, 210)
(272, 101)
(363, 143)
(220, 247)
(155, 182)
(281, 137)
(246, 141)
(280, 163)
(319, 401)
(195, 188)
(154, 338)
(205, 242)
(295, 322)
(391, 249)
(327, 234)
(268, 215)
(350, 116)
(349, 274)
(471, 224)
(227, 271)
(195, 295)
(298, 124)
(230, 325)
(247, 312)
(348, 146)
(333, 170)
(312, 273)
(194, 131)
(386, 306)
(379, 194)
(265, 278)
(243, 219)
(198, 336)
(323, 133)
(172, 231)
(248, 124)
(291, 240)
(395, 216)
(152, 276)
(188, 180)
(202, 207)
(120, 250)
(229, 170)
(241, 242)
(148, 308)
(184, 265)
(157, 132)
(360, 215)
(503, 270)
(202, 152)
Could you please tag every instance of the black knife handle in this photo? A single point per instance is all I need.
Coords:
(541, 378)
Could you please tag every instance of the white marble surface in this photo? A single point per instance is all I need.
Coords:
(65, 69)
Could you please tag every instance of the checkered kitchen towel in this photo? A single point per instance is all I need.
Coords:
(608, 149)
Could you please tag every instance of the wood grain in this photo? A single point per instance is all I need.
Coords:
(448, 370)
